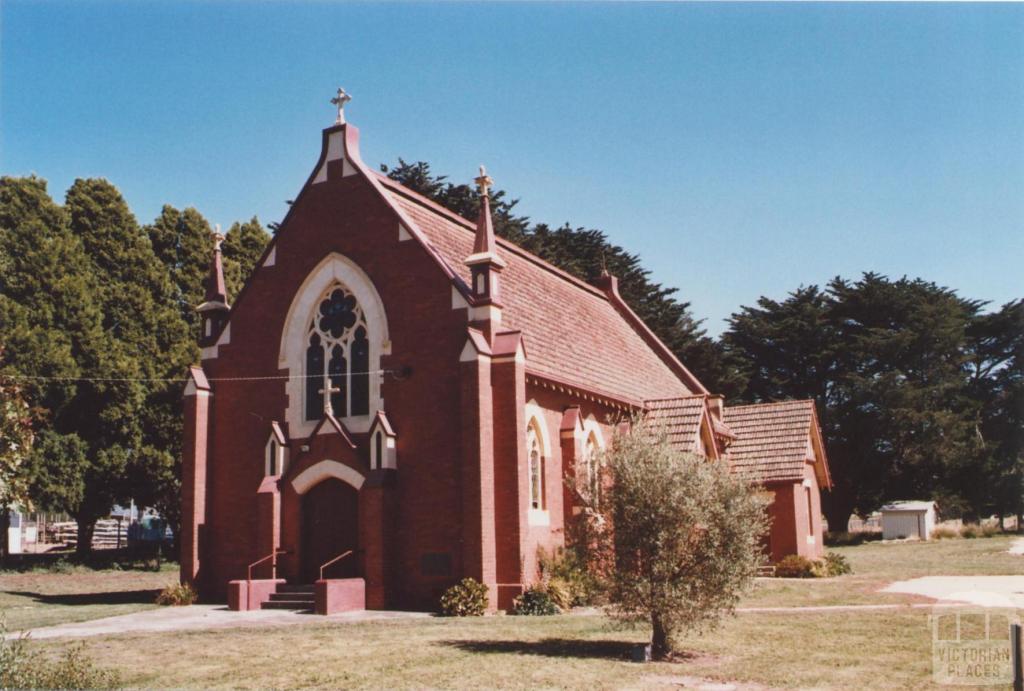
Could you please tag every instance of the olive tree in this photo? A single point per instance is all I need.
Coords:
(675, 538)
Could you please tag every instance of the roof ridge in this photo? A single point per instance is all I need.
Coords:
(676, 398)
(430, 204)
(790, 401)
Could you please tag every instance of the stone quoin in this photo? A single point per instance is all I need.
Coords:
(396, 383)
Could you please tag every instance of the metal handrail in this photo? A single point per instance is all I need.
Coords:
(273, 564)
(337, 558)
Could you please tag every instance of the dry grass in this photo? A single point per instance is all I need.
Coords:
(855, 650)
(862, 649)
(39, 598)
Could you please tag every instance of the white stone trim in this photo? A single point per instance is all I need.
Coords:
(591, 426)
(333, 268)
(324, 470)
(484, 313)
(470, 353)
(403, 233)
(458, 302)
(538, 517)
(210, 352)
(271, 257)
(281, 456)
(335, 146)
(535, 412)
(191, 390)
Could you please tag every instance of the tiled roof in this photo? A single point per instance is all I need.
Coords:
(573, 332)
(772, 439)
(679, 417)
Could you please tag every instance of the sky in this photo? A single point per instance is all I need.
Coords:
(742, 150)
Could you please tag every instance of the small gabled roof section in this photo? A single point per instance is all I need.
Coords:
(774, 441)
(331, 425)
(197, 381)
(278, 433)
(381, 420)
(687, 421)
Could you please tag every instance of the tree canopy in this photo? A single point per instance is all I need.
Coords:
(96, 319)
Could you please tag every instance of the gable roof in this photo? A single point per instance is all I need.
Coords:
(773, 439)
(574, 332)
(680, 418)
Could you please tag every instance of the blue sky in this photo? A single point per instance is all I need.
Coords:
(740, 149)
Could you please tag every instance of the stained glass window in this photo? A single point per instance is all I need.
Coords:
(536, 460)
(338, 352)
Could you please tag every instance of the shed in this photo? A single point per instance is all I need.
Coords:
(908, 519)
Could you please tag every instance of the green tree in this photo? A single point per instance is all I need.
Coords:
(584, 253)
(996, 350)
(16, 438)
(183, 242)
(675, 539)
(244, 244)
(887, 365)
(50, 322)
(151, 346)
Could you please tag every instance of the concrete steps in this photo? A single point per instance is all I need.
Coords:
(293, 597)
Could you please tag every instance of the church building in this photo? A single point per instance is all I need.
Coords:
(395, 398)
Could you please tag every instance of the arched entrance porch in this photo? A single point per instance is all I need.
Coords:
(329, 527)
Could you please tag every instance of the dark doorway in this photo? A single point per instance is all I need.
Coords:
(330, 526)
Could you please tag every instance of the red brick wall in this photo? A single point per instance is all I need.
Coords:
(345, 216)
(789, 514)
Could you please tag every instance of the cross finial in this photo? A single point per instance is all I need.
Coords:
(483, 182)
(340, 100)
(218, 238)
(327, 392)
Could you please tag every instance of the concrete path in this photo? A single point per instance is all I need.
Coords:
(202, 617)
(983, 591)
(1017, 547)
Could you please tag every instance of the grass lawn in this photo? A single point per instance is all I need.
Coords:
(42, 598)
(856, 650)
(860, 649)
(876, 564)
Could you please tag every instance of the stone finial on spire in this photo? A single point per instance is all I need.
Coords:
(483, 181)
(485, 264)
(340, 100)
(218, 238)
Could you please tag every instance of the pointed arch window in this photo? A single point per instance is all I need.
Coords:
(592, 468)
(338, 353)
(535, 457)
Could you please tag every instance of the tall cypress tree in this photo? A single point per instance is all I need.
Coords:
(244, 244)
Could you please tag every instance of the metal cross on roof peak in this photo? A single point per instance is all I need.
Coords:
(218, 238)
(483, 182)
(327, 392)
(340, 100)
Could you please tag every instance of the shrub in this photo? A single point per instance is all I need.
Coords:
(560, 593)
(534, 602)
(845, 539)
(468, 598)
(944, 533)
(795, 566)
(24, 669)
(566, 578)
(836, 564)
(177, 594)
(970, 531)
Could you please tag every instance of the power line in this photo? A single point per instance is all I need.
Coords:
(183, 380)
